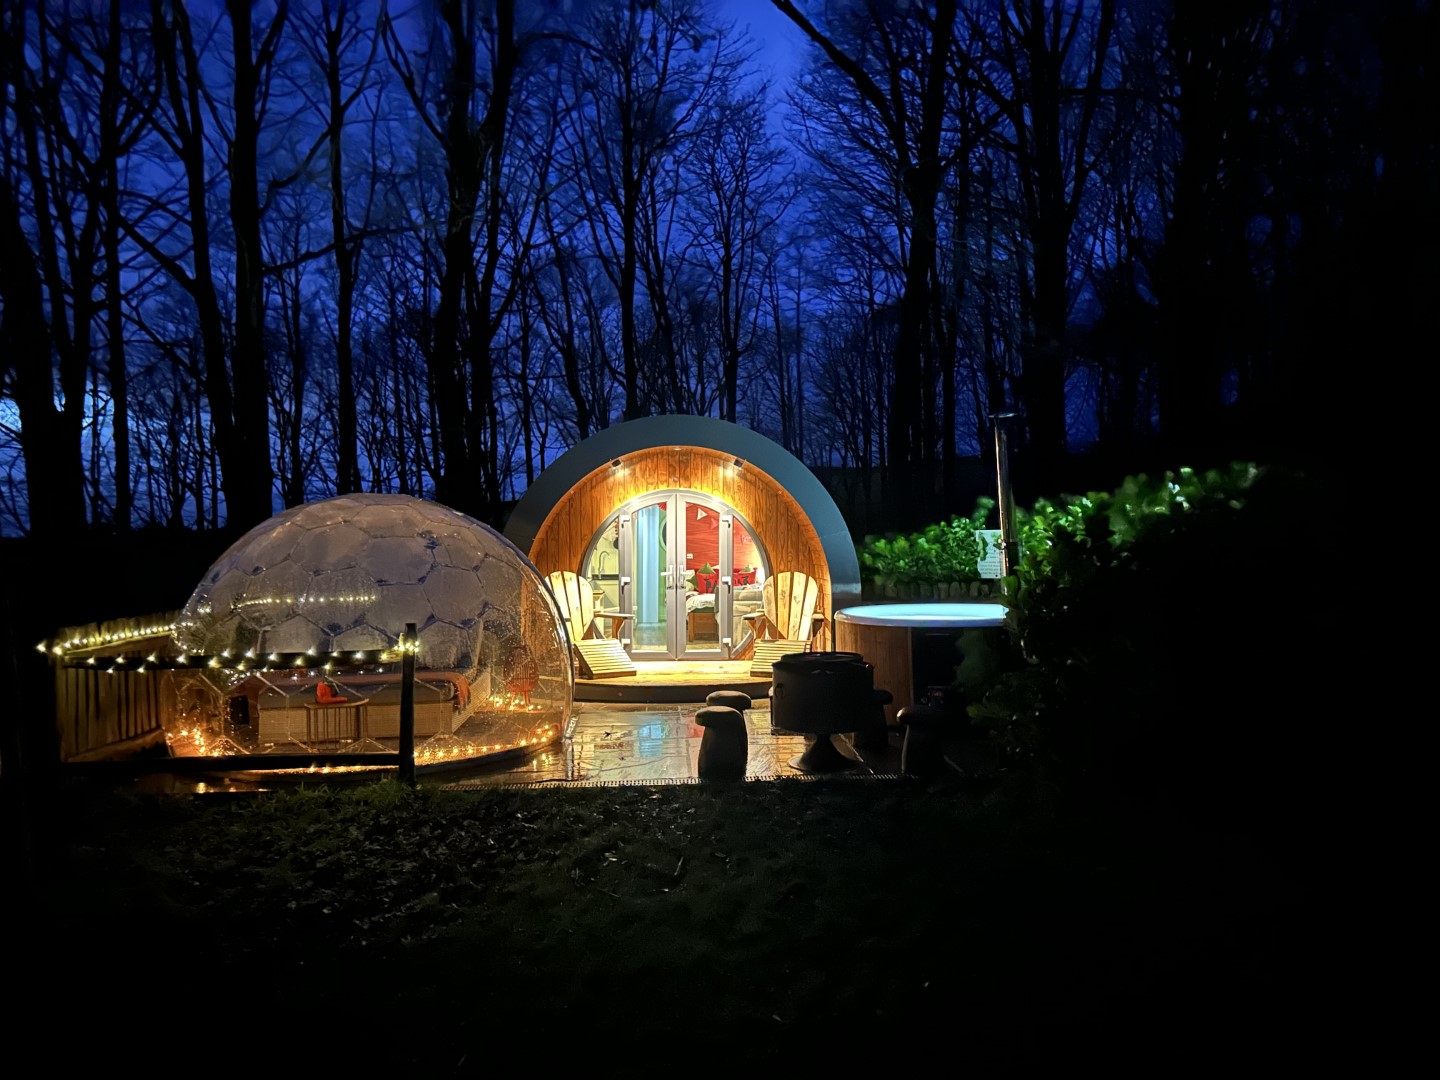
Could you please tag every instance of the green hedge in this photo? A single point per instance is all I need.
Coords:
(1057, 536)
(938, 554)
(1178, 639)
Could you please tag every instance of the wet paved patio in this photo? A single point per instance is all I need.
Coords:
(613, 744)
(648, 743)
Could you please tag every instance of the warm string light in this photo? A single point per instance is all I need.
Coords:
(510, 702)
(250, 661)
(201, 743)
(199, 738)
(300, 601)
(109, 638)
(316, 770)
(99, 639)
(462, 750)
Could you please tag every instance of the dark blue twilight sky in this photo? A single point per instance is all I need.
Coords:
(779, 42)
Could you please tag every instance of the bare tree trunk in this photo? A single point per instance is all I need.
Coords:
(347, 255)
(465, 318)
(489, 314)
(629, 338)
(799, 388)
(730, 316)
(116, 372)
(292, 478)
(782, 362)
(248, 367)
(1035, 41)
(55, 503)
(526, 387)
(243, 458)
(916, 146)
(1198, 272)
(563, 328)
(48, 301)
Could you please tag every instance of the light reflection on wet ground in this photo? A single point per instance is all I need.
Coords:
(648, 743)
(604, 744)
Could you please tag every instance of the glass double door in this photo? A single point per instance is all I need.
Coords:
(686, 569)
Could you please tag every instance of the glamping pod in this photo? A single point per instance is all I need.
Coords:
(317, 600)
(676, 523)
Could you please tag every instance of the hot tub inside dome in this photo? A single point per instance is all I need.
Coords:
(308, 611)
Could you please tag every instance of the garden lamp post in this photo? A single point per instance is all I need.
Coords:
(408, 645)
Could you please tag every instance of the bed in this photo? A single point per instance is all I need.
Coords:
(700, 622)
(700, 610)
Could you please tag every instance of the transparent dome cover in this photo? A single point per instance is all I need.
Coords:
(348, 574)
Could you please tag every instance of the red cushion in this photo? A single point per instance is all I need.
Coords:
(326, 696)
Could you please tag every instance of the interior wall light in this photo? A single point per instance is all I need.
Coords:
(739, 464)
(615, 464)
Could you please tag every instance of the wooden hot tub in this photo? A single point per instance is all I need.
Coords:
(884, 635)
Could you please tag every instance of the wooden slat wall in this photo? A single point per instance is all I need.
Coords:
(780, 525)
(94, 709)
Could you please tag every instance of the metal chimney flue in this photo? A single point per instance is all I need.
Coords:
(1005, 497)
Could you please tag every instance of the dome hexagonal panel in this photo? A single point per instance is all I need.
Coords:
(332, 547)
(402, 559)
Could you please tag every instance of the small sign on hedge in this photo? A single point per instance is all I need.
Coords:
(989, 564)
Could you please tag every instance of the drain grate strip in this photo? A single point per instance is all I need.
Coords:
(672, 781)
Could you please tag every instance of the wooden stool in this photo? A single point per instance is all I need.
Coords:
(922, 754)
(731, 699)
(725, 747)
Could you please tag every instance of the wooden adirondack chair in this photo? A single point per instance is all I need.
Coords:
(596, 657)
(789, 622)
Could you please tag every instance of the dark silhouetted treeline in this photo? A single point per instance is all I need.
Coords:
(258, 253)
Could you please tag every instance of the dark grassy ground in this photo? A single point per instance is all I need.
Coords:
(692, 928)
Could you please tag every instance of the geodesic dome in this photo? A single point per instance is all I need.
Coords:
(350, 572)
(340, 579)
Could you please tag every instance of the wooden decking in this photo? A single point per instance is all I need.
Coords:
(672, 681)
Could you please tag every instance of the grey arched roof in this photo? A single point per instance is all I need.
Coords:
(649, 432)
